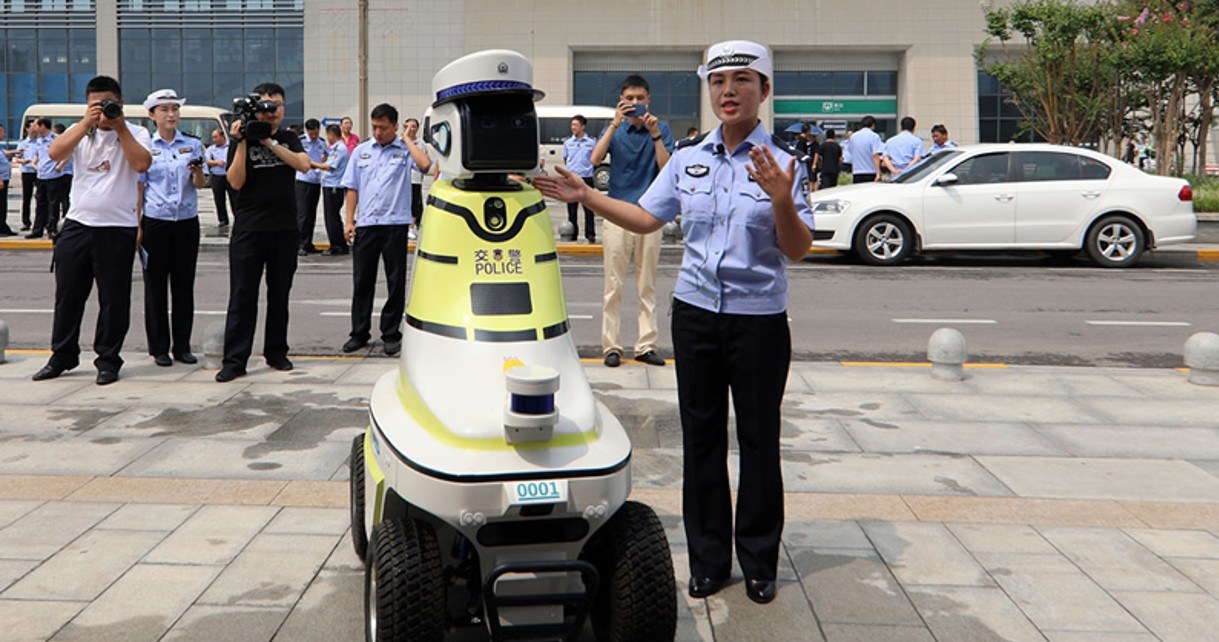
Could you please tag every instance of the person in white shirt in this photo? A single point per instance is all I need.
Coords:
(98, 240)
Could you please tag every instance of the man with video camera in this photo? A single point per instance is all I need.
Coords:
(263, 161)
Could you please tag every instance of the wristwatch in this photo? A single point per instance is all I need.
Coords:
(274, 143)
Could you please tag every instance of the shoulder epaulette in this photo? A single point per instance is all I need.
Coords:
(687, 142)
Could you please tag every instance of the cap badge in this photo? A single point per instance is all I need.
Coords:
(502, 68)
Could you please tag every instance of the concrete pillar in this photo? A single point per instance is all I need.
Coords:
(947, 352)
(108, 39)
(1202, 358)
(3, 341)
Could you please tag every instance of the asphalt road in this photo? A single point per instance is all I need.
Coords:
(1012, 309)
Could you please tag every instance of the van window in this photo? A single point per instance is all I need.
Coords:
(553, 131)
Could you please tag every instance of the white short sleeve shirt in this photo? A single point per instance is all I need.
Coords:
(105, 187)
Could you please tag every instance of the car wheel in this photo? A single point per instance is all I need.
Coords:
(601, 177)
(636, 600)
(404, 587)
(1115, 242)
(359, 537)
(884, 240)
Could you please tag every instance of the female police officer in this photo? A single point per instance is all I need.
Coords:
(744, 215)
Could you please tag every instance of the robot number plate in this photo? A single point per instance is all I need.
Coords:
(536, 492)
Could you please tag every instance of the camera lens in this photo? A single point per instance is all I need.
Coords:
(111, 109)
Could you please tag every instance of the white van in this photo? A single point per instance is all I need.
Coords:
(554, 126)
(195, 120)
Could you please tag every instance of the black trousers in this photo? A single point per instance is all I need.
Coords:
(307, 197)
(220, 187)
(749, 356)
(249, 254)
(173, 250)
(84, 255)
(4, 204)
(863, 178)
(332, 214)
(417, 203)
(828, 179)
(50, 200)
(386, 243)
(590, 230)
(28, 182)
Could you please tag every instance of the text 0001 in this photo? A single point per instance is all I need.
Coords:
(537, 492)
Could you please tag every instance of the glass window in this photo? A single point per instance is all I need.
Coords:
(23, 84)
(22, 51)
(1047, 166)
(83, 50)
(135, 54)
(848, 83)
(76, 92)
(815, 83)
(53, 88)
(226, 50)
(260, 51)
(196, 51)
(984, 169)
(998, 119)
(1093, 170)
(882, 83)
(927, 165)
(52, 51)
(166, 47)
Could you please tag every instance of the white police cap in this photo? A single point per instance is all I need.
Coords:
(493, 71)
(163, 97)
(731, 55)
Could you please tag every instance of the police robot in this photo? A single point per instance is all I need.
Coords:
(491, 486)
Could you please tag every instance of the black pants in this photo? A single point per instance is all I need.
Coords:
(83, 255)
(307, 197)
(173, 250)
(749, 356)
(828, 179)
(4, 205)
(50, 201)
(249, 254)
(28, 182)
(417, 203)
(332, 214)
(386, 243)
(863, 178)
(590, 231)
(220, 187)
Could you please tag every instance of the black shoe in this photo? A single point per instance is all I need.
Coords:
(223, 224)
(186, 357)
(163, 360)
(225, 375)
(25, 228)
(612, 360)
(591, 239)
(282, 364)
(392, 348)
(760, 591)
(48, 372)
(7, 233)
(651, 358)
(107, 377)
(354, 344)
(34, 235)
(704, 586)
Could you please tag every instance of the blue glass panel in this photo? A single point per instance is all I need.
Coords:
(23, 84)
(882, 83)
(226, 50)
(83, 51)
(196, 50)
(22, 51)
(816, 83)
(52, 51)
(54, 88)
(76, 92)
(848, 83)
(166, 48)
(18, 103)
(135, 54)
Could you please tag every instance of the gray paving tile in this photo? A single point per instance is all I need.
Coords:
(225, 421)
(920, 553)
(213, 535)
(59, 391)
(332, 608)
(86, 567)
(232, 459)
(986, 408)
(1203, 572)
(972, 614)
(874, 633)
(788, 617)
(1000, 538)
(273, 570)
(1072, 383)
(48, 528)
(148, 517)
(657, 468)
(861, 405)
(801, 432)
(663, 378)
(1115, 561)
(343, 558)
(824, 533)
(852, 586)
(965, 438)
(1078, 478)
(276, 394)
(831, 377)
(1167, 543)
(1165, 384)
(1085, 636)
(11, 511)
(1150, 442)
(1200, 412)
(202, 623)
(364, 373)
(13, 570)
(1026, 563)
(605, 379)
(1174, 617)
(52, 421)
(130, 393)
(1067, 602)
(922, 474)
(35, 621)
(1211, 466)
(141, 605)
(310, 521)
(70, 456)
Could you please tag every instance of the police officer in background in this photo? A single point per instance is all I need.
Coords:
(217, 156)
(416, 179)
(53, 184)
(29, 171)
(577, 150)
(333, 193)
(309, 185)
(741, 198)
(6, 177)
(169, 231)
(378, 182)
(265, 236)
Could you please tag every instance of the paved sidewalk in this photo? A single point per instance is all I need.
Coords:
(1026, 503)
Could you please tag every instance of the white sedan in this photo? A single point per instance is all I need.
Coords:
(1005, 197)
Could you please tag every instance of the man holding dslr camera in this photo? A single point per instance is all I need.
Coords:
(262, 165)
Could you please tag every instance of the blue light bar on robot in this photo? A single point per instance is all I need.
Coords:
(479, 87)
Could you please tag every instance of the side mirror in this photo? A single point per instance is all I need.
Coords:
(947, 179)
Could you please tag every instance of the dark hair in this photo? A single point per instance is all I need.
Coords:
(103, 85)
(634, 80)
(940, 129)
(580, 119)
(385, 110)
(691, 131)
(908, 124)
(867, 121)
(334, 129)
(312, 124)
(270, 89)
(829, 133)
(44, 122)
(804, 129)
(412, 119)
(59, 128)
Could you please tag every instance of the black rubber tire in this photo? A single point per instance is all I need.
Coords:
(359, 537)
(408, 582)
(637, 599)
(885, 229)
(1115, 241)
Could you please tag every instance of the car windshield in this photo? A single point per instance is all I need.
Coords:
(927, 165)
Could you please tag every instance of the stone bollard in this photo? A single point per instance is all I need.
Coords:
(947, 352)
(213, 345)
(3, 341)
(567, 231)
(1202, 358)
(670, 232)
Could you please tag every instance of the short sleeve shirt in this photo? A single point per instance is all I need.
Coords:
(577, 155)
(267, 200)
(336, 159)
(316, 149)
(218, 153)
(381, 174)
(633, 160)
(864, 143)
(26, 147)
(105, 189)
(902, 149)
(169, 190)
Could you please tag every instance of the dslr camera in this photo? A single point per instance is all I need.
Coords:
(111, 108)
(246, 110)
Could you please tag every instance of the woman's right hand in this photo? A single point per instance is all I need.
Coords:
(567, 187)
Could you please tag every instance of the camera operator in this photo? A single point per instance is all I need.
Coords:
(263, 161)
(98, 238)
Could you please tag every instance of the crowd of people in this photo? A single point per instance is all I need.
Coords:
(864, 154)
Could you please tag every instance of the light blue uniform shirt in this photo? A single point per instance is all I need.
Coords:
(577, 155)
(634, 160)
(864, 143)
(336, 158)
(316, 149)
(46, 166)
(732, 262)
(218, 153)
(947, 145)
(28, 151)
(902, 149)
(382, 176)
(6, 173)
(169, 194)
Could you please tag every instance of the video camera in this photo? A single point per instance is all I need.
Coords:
(246, 110)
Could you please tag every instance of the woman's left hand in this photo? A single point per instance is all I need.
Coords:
(769, 175)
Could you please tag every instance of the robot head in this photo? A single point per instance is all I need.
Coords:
(483, 119)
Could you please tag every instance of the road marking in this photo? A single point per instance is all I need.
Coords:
(343, 314)
(580, 317)
(1142, 324)
(952, 321)
(211, 313)
(26, 311)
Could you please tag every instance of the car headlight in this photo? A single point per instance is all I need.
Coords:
(833, 206)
